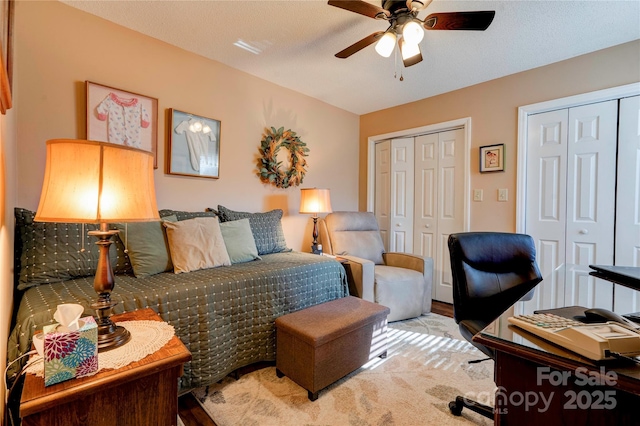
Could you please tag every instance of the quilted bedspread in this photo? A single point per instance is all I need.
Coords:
(225, 316)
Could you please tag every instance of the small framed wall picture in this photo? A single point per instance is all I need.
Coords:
(492, 158)
(194, 145)
(122, 118)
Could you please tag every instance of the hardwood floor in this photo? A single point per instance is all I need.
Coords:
(192, 414)
(442, 308)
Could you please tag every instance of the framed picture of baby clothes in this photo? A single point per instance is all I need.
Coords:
(194, 145)
(123, 118)
(492, 158)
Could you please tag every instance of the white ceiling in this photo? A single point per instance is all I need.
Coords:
(298, 40)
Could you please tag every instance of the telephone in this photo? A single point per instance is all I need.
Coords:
(605, 340)
(604, 315)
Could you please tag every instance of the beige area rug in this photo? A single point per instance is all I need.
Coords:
(426, 367)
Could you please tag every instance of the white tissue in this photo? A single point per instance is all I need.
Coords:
(68, 316)
(38, 342)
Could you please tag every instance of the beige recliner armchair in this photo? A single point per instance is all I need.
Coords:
(400, 281)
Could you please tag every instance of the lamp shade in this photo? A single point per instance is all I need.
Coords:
(315, 200)
(93, 182)
(385, 45)
(412, 32)
(410, 53)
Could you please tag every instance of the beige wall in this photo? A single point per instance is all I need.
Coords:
(58, 48)
(493, 108)
(7, 197)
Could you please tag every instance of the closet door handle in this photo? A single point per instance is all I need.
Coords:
(584, 231)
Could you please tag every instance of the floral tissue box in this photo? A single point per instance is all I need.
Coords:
(69, 354)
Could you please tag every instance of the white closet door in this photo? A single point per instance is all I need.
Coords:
(450, 206)
(439, 199)
(628, 202)
(383, 189)
(546, 215)
(426, 195)
(591, 183)
(571, 164)
(402, 176)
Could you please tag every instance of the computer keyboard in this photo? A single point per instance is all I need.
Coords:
(594, 341)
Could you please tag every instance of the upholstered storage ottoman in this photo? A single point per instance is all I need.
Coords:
(321, 344)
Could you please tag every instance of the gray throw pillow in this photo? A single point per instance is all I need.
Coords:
(147, 246)
(48, 252)
(265, 227)
(182, 215)
(239, 241)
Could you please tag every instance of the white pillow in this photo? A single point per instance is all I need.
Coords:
(196, 244)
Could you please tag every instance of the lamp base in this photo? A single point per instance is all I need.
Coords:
(118, 337)
(110, 336)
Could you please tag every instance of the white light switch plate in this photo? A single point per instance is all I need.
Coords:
(477, 195)
(503, 194)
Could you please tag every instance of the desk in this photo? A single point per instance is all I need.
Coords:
(142, 393)
(542, 384)
(628, 276)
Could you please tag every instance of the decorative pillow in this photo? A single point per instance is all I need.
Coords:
(147, 246)
(196, 244)
(239, 241)
(50, 252)
(265, 227)
(123, 263)
(181, 215)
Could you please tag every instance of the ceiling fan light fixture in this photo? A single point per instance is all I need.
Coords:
(412, 32)
(411, 54)
(417, 4)
(385, 45)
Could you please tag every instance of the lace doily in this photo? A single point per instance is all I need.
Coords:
(146, 338)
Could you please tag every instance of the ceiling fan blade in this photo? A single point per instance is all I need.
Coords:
(361, 7)
(359, 45)
(473, 21)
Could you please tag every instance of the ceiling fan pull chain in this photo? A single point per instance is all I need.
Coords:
(396, 66)
(395, 63)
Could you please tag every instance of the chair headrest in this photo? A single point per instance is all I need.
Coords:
(491, 271)
(356, 234)
(493, 251)
(351, 221)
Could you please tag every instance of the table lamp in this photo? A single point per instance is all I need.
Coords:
(98, 182)
(314, 201)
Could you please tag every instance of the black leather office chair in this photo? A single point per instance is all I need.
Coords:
(491, 271)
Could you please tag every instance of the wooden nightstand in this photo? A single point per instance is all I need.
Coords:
(142, 393)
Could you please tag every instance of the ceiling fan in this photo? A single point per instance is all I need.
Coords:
(405, 28)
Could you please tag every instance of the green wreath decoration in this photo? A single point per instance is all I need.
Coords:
(269, 169)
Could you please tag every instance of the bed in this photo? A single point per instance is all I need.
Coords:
(225, 315)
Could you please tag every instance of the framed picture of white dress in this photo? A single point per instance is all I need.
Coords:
(194, 145)
(123, 118)
(492, 158)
